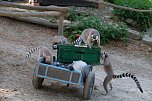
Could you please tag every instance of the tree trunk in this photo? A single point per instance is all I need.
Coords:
(36, 20)
(30, 14)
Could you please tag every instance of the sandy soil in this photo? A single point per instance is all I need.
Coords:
(16, 38)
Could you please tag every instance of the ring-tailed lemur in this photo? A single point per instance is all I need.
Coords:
(56, 40)
(59, 40)
(110, 74)
(43, 52)
(88, 36)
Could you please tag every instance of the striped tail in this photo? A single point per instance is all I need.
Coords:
(131, 76)
(31, 51)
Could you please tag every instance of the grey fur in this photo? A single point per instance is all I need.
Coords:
(43, 52)
(89, 36)
(110, 74)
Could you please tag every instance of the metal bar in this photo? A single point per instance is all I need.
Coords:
(60, 80)
(52, 66)
(80, 78)
(64, 69)
(46, 71)
(71, 76)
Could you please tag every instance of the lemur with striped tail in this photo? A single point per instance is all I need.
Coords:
(110, 74)
(56, 40)
(44, 52)
(88, 37)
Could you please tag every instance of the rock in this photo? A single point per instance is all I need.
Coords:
(149, 49)
(66, 21)
(129, 21)
(107, 17)
(147, 40)
(149, 31)
(111, 8)
(134, 23)
(134, 34)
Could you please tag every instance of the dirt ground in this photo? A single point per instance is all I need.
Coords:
(16, 38)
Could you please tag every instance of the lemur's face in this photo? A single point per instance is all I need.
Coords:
(94, 37)
(64, 41)
(103, 55)
(48, 59)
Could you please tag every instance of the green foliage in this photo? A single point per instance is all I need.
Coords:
(93, 5)
(73, 15)
(108, 31)
(143, 19)
(53, 19)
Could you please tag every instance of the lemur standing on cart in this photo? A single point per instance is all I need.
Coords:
(43, 52)
(46, 54)
(88, 36)
(110, 74)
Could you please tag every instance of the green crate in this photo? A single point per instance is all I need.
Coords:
(70, 53)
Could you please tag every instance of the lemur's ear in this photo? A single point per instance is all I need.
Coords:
(103, 54)
(106, 55)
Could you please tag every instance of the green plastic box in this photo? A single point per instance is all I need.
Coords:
(70, 53)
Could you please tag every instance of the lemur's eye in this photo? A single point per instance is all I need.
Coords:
(94, 37)
(55, 46)
(103, 53)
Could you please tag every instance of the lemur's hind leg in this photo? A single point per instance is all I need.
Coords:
(110, 84)
(105, 83)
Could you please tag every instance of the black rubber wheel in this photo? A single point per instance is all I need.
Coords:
(88, 85)
(37, 81)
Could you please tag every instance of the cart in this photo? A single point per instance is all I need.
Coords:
(84, 78)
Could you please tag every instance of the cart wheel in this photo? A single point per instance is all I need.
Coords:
(37, 81)
(88, 86)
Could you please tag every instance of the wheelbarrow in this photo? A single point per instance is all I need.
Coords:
(84, 78)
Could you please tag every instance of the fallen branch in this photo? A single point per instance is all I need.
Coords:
(29, 14)
(120, 7)
(41, 21)
(36, 20)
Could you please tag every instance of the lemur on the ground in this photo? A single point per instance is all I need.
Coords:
(110, 74)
